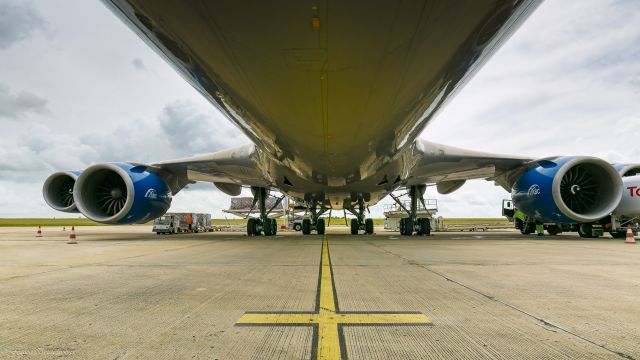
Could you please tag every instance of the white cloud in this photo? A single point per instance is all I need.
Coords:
(195, 131)
(18, 21)
(138, 64)
(17, 105)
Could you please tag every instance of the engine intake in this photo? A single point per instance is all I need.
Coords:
(568, 189)
(121, 193)
(58, 191)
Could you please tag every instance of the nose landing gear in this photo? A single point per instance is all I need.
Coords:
(360, 222)
(315, 222)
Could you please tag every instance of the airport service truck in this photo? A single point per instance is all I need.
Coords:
(173, 223)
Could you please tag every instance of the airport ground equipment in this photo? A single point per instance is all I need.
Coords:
(394, 213)
(341, 145)
(527, 225)
(173, 223)
(243, 206)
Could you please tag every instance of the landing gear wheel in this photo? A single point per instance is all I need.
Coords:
(618, 235)
(306, 226)
(251, 226)
(408, 227)
(519, 225)
(297, 227)
(368, 226)
(553, 230)
(424, 226)
(320, 226)
(584, 230)
(266, 227)
(274, 227)
(355, 226)
(527, 228)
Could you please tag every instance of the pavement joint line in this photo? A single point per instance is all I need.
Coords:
(514, 307)
(327, 321)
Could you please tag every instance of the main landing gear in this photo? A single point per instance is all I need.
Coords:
(262, 224)
(411, 224)
(360, 223)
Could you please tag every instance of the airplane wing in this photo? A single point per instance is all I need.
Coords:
(228, 170)
(449, 167)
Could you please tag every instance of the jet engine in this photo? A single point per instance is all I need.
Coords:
(121, 193)
(58, 191)
(627, 169)
(568, 190)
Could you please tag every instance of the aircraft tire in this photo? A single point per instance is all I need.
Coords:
(408, 227)
(425, 226)
(553, 230)
(320, 226)
(251, 229)
(368, 226)
(306, 226)
(526, 229)
(267, 227)
(355, 226)
(584, 230)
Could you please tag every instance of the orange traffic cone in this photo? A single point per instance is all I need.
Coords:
(39, 232)
(72, 236)
(630, 239)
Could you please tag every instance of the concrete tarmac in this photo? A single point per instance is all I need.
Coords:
(125, 293)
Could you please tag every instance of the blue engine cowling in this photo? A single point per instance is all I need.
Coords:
(121, 193)
(58, 191)
(568, 190)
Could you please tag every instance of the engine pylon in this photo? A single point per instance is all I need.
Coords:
(630, 239)
(72, 236)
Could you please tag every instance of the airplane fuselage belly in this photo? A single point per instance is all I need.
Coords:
(334, 93)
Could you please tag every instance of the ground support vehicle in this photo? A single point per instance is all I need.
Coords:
(173, 223)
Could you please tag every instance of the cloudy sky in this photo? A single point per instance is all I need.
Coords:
(78, 87)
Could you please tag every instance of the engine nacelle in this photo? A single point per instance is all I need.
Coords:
(58, 191)
(630, 202)
(121, 193)
(568, 190)
(627, 169)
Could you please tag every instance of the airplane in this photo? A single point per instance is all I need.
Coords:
(625, 214)
(333, 96)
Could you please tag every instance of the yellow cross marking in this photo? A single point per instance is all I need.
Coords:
(328, 319)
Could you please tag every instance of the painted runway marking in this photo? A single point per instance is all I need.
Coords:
(327, 320)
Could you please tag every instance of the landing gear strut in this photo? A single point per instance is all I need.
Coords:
(411, 224)
(360, 223)
(262, 224)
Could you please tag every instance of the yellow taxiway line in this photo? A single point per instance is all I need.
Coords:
(328, 320)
